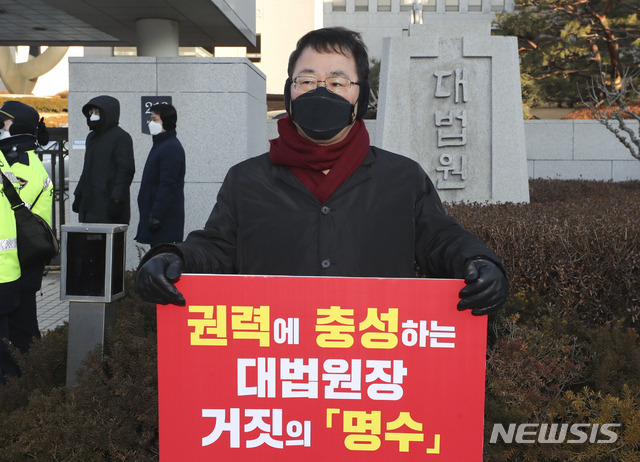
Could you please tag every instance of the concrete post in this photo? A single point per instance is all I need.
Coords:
(157, 37)
(88, 324)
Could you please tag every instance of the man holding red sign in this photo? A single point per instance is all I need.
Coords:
(324, 202)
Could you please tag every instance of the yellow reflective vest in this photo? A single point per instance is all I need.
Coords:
(30, 181)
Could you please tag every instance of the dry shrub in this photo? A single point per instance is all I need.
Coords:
(576, 245)
(54, 104)
(568, 336)
(584, 113)
(531, 366)
(110, 414)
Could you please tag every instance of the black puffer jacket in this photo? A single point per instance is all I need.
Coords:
(381, 221)
(161, 193)
(108, 167)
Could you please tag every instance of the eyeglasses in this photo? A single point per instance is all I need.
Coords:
(308, 83)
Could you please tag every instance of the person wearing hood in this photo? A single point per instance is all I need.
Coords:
(22, 130)
(161, 196)
(102, 194)
(324, 202)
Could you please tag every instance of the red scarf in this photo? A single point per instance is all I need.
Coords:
(307, 159)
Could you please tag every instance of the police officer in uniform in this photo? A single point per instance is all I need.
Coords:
(22, 129)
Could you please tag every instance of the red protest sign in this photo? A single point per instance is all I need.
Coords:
(304, 368)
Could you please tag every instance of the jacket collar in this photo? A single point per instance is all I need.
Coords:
(19, 143)
(363, 173)
(160, 137)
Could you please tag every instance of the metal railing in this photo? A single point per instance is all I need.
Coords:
(54, 156)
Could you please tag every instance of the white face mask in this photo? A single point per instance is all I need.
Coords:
(155, 128)
(94, 117)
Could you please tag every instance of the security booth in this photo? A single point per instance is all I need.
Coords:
(92, 269)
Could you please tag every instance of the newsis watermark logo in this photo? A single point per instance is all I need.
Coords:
(528, 433)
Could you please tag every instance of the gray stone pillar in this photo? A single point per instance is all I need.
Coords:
(222, 119)
(157, 37)
(88, 325)
(450, 98)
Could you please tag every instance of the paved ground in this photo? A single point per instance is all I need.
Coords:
(51, 311)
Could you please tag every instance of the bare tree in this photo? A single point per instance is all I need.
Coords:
(609, 105)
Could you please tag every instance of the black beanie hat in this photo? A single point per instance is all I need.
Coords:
(20, 112)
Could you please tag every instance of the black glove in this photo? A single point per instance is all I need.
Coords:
(154, 224)
(115, 209)
(486, 290)
(155, 279)
(76, 204)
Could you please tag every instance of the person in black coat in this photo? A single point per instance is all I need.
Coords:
(324, 202)
(161, 196)
(102, 194)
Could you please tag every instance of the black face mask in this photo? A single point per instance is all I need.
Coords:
(321, 114)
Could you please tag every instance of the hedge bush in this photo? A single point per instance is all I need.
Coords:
(565, 348)
(54, 104)
(575, 245)
(110, 414)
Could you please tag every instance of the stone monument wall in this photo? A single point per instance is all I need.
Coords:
(450, 99)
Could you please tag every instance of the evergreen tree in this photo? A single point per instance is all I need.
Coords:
(564, 43)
